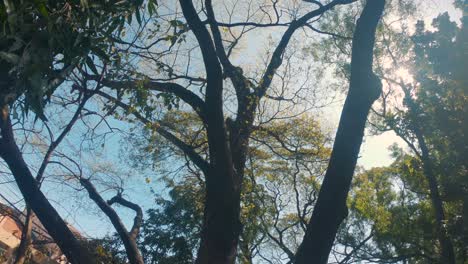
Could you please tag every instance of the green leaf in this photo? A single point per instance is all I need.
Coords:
(100, 53)
(18, 44)
(150, 9)
(42, 8)
(113, 26)
(84, 3)
(138, 16)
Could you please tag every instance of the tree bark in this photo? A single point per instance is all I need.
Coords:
(54, 224)
(330, 209)
(221, 224)
(128, 238)
(22, 251)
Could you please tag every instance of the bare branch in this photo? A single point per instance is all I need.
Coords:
(138, 220)
(187, 149)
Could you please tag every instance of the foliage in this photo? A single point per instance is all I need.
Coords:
(106, 251)
(283, 156)
(440, 57)
(170, 233)
(434, 105)
(389, 206)
(42, 42)
(391, 219)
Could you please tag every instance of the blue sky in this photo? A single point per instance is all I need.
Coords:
(374, 153)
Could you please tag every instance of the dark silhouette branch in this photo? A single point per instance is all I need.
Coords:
(54, 144)
(26, 238)
(276, 58)
(137, 221)
(49, 217)
(128, 239)
(166, 87)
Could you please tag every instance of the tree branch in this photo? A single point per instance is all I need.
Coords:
(187, 149)
(54, 144)
(138, 220)
(33, 196)
(276, 58)
(210, 59)
(128, 239)
(184, 94)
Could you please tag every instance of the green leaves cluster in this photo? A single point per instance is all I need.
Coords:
(283, 155)
(393, 203)
(42, 42)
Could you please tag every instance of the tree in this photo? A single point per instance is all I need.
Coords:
(365, 88)
(281, 156)
(170, 234)
(390, 218)
(41, 45)
(241, 163)
(58, 229)
(422, 224)
(227, 138)
(432, 107)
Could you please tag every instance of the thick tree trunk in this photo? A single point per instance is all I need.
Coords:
(128, 239)
(221, 224)
(365, 87)
(29, 188)
(22, 251)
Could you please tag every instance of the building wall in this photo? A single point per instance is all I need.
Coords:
(10, 238)
(10, 232)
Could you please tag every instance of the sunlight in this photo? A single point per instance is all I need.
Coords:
(404, 75)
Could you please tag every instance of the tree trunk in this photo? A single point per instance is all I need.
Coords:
(53, 223)
(221, 224)
(330, 209)
(129, 241)
(447, 252)
(22, 251)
